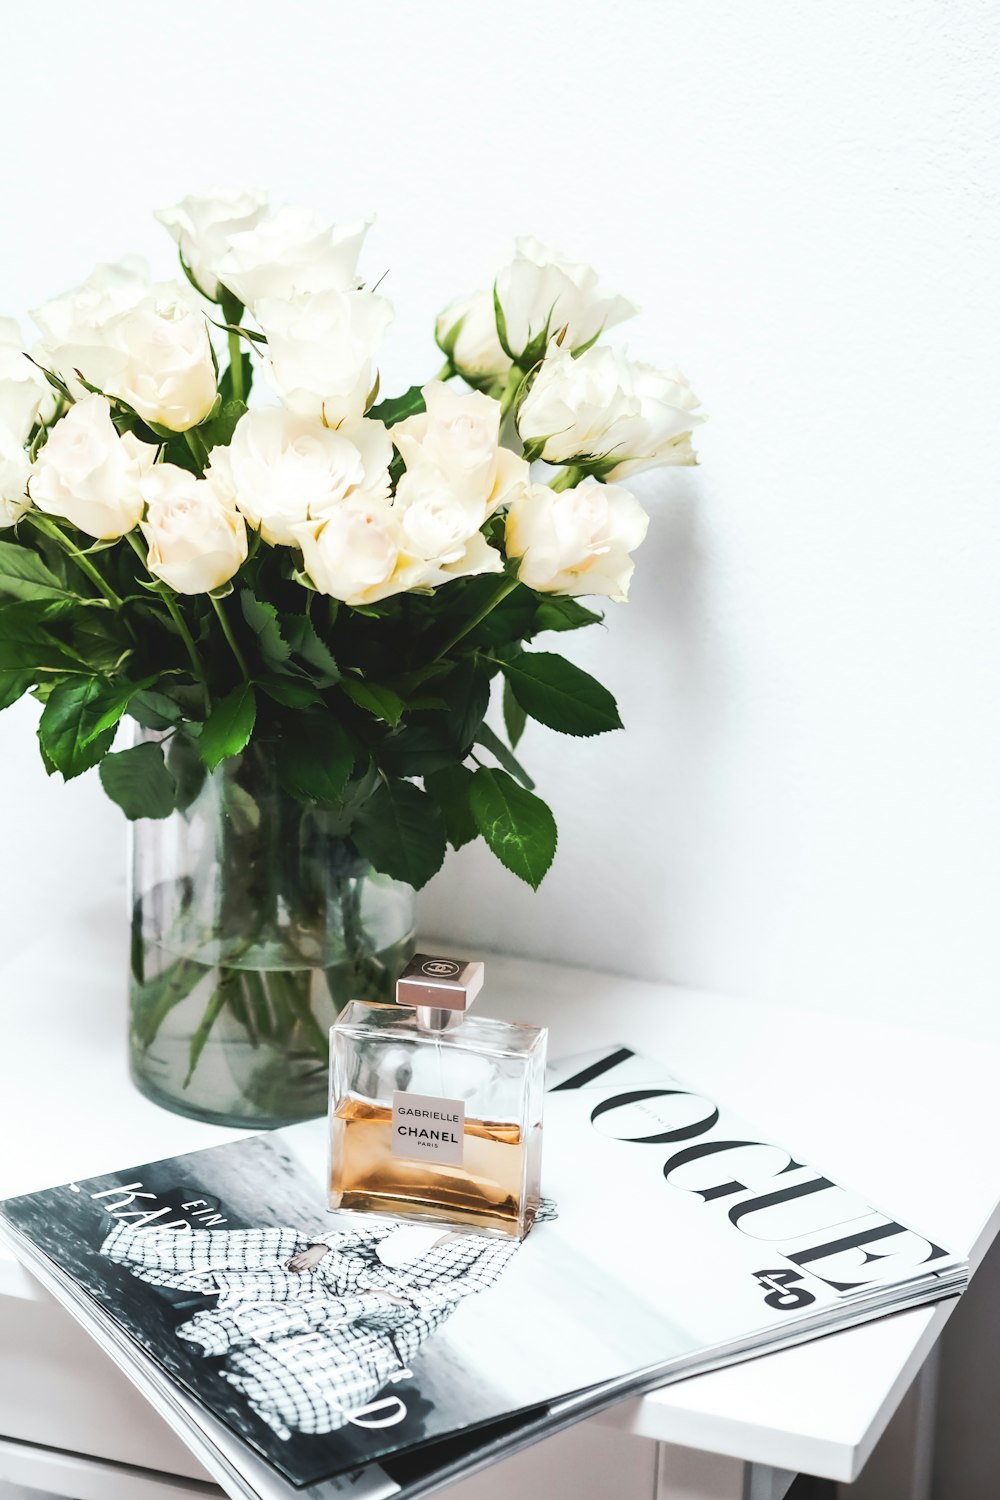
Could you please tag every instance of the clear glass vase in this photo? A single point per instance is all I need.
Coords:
(254, 922)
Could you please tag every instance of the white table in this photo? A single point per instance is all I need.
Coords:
(909, 1119)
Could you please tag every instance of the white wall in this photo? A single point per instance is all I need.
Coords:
(806, 803)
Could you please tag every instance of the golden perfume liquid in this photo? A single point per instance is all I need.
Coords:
(436, 1114)
(484, 1192)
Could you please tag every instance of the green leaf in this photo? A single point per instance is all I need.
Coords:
(450, 789)
(99, 640)
(50, 767)
(152, 1000)
(562, 612)
(26, 642)
(514, 716)
(263, 621)
(417, 749)
(226, 379)
(314, 759)
(186, 768)
(218, 431)
(79, 720)
(177, 452)
(561, 695)
(394, 408)
(518, 827)
(401, 832)
(14, 685)
(241, 329)
(509, 621)
(228, 728)
(495, 745)
(290, 692)
(154, 710)
(467, 690)
(380, 701)
(23, 575)
(208, 1020)
(240, 809)
(501, 322)
(300, 633)
(138, 780)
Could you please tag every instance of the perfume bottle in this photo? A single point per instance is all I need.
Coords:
(434, 1113)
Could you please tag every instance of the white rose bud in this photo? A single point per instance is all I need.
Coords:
(576, 541)
(197, 541)
(602, 407)
(202, 226)
(291, 252)
(168, 373)
(76, 327)
(321, 348)
(541, 289)
(14, 471)
(467, 333)
(281, 469)
(357, 554)
(89, 475)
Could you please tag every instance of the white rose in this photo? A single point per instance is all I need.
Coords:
(467, 329)
(456, 437)
(320, 350)
(576, 541)
(14, 471)
(441, 524)
(437, 528)
(541, 289)
(20, 401)
(358, 554)
(25, 394)
(281, 469)
(75, 327)
(203, 224)
(196, 540)
(167, 372)
(292, 251)
(454, 444)
(89, 475)
(602, 406)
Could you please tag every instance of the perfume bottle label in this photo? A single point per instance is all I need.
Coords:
(427, 1128)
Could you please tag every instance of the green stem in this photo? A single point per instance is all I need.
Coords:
(446, 371)
(196, 450)
(236, 364)
(568, 479)
(510, 390)
(197, 665)
(227, 632)
(49, 528)
(507, 586)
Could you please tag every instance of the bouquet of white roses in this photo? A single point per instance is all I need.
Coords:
(343, 576)
(305, 599)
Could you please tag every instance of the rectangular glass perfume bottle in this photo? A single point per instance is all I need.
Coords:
(436, 1114)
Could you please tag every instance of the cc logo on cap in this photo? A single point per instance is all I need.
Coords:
(441, 968)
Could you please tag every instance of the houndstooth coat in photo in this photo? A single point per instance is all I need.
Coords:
(310, 1348)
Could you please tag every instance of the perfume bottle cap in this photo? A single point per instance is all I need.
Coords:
(430, 983)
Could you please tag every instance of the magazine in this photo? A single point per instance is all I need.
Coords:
(298, 1349)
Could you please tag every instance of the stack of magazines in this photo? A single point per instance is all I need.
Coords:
(300, 1352)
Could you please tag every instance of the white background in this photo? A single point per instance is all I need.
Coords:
(806, 803)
